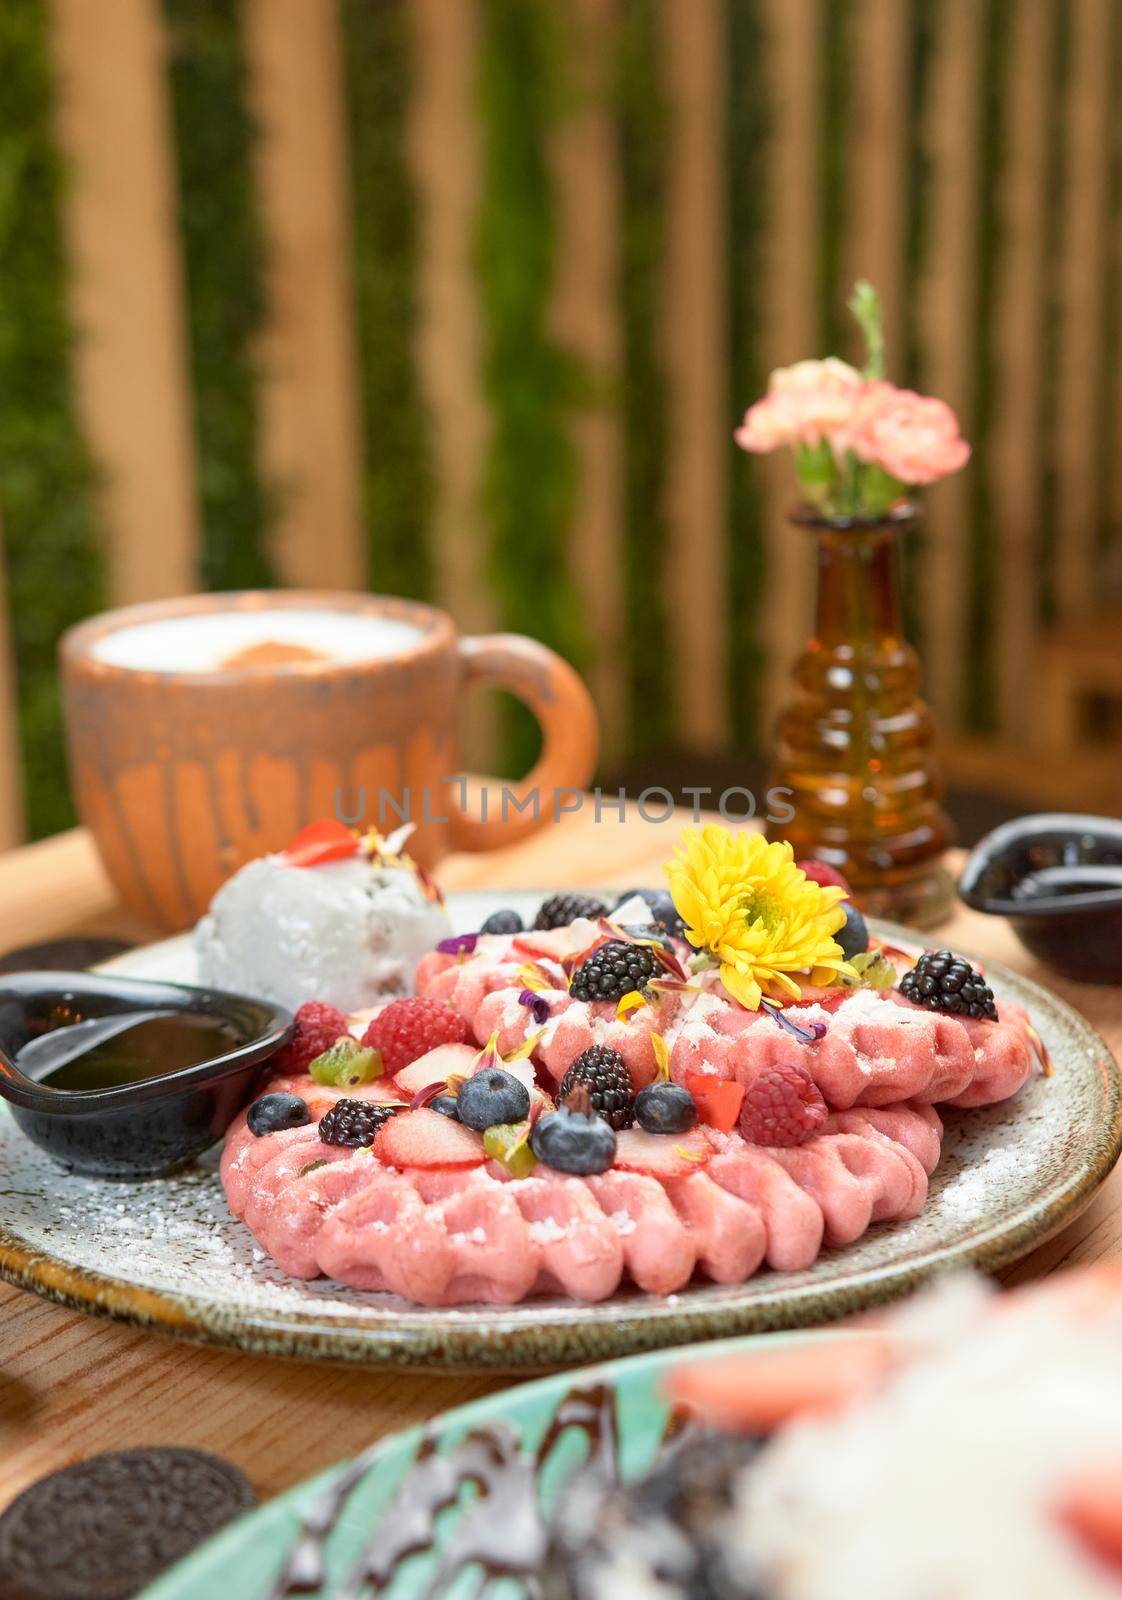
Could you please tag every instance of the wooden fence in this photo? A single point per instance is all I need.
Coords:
(966, 155)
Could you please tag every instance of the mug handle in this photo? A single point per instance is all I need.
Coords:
(555, 694)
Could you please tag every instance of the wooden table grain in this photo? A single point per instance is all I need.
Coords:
(71, 1385)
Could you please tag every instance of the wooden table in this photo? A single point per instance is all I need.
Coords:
(71, 1385)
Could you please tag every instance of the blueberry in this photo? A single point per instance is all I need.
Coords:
(665, 1108)
(274, 1112)
(663, 910)
(502, 922)
(853, 936)
(447, 1105)
(492, 1096)
(571, 1141)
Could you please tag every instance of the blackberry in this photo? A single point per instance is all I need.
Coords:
(561, 909)
(354, 1122)
(502, 922)
(603, 1073)
(613, 970)
(942, 981)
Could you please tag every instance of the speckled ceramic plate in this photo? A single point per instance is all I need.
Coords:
(320, 1540)
(168, 1255)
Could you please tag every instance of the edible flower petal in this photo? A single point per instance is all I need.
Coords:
(808, 1032)
(536, 1004)
(459, 944)
(633, 1000)
(662, 1056)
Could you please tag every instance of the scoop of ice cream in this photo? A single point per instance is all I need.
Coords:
(348, 932)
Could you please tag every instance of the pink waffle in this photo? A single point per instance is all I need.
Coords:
(877, 1049)
(461, 1230)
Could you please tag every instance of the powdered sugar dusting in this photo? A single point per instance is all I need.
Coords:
(176, 1237)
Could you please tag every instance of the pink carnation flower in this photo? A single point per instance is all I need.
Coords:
(913, 438)
(805, 403)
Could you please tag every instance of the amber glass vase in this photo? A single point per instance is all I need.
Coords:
(855, 743)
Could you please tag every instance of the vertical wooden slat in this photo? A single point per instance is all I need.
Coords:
(127, 289)
(1083, 244)
(444, 144)
(309, 417)
(583, 319)
(1111, 467)
(11, 796)
(791, 331)
(946, 332)
(1019, 320)
(695, 339)
(877, 158)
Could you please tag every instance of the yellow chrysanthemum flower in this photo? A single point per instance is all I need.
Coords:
(746, 903)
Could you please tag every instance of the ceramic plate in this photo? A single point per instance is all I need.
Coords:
(167, 1254)
(317, 1540)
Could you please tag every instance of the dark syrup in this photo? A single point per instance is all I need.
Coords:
(152, 1047)
(502, 1533)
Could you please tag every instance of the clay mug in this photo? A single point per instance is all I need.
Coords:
(207, 730)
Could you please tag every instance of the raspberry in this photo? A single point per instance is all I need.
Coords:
(825, 876)
(318, 1025)
(782, 1107)
(406, 1029)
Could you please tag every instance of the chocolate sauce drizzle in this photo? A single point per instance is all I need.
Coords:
(501, 1532)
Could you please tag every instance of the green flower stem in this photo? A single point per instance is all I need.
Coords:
(865, 305)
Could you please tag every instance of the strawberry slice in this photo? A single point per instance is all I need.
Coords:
(661, 1155)
(326, 840)
(718, 1099)
(427, 1139)
(435, 1066)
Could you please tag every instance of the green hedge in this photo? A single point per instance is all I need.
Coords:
(642, 130)
(531, 383)
(745, 166)
(979, 707)
(224, 257)
(398, 481)
(47, 500)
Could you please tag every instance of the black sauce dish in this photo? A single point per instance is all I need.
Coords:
(136, 1129)
(1057, 878)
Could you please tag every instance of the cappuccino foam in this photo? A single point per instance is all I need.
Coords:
(205, 643)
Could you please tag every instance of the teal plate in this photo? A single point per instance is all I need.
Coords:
(320, 1534)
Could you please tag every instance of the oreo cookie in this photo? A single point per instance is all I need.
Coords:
(103, 1529)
